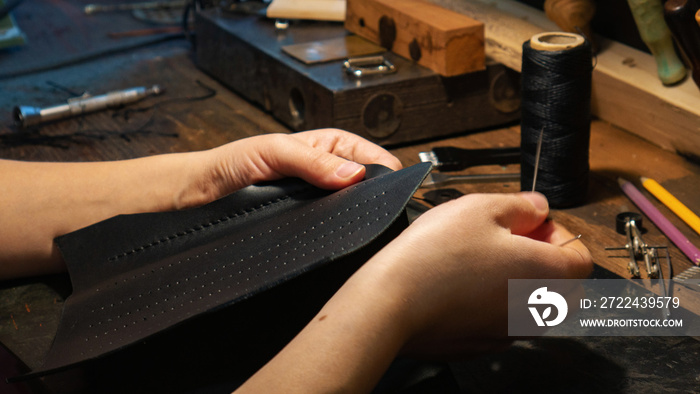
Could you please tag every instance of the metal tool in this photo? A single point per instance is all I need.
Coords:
(629, 224)
(348, 47)
(664, 291)
(689, 277)
(150, 5)
(436, 179)
(450, 158)
(370, 65)
(26, 116)
(576, 238)
(537, 159)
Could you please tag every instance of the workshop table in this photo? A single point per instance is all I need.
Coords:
(206, 114)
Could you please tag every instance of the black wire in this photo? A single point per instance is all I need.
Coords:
(211, 92)
(126, 113)
(64, 89)
(89, 56)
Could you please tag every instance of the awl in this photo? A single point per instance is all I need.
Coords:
(26, 116)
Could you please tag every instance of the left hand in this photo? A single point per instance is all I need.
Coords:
(52, 199)
(327, 158)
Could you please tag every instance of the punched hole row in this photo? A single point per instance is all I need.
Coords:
(197, 228)
(240, 272)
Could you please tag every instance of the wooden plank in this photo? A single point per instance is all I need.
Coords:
(447, 42)
(323, 10)
(627, 93)
(626, 89)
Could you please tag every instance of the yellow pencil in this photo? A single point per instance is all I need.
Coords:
(672, 203)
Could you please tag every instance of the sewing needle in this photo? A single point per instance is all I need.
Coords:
(537, 158)
(534, 178)
(570, 241)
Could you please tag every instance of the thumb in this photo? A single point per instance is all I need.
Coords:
(316, 166)
(527, 211)
(332, 172)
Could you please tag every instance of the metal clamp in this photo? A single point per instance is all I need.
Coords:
(629, 224)
(371, 65)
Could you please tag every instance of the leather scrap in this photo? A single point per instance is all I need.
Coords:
(135, 276)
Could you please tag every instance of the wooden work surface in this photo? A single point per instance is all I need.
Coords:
(30, 309)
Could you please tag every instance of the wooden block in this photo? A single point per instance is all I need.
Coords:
(414, 103)
(626, 89)
(447, 42)
(322, 10)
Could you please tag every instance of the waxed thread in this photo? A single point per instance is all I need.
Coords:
(556, 97)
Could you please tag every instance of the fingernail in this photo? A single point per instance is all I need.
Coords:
(348, 169)
(538, 200)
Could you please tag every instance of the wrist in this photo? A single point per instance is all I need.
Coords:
(185, 180)
(165, 182)
(348, 345)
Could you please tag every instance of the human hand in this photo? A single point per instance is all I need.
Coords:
(440, 288)
(327, 158)
(449, 270)
(64, 197)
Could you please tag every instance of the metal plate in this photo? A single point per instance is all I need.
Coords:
(332, 49)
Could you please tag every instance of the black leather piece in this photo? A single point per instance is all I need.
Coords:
(135, 276)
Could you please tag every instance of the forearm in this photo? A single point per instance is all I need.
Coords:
(348, 346)
(425, 293)
(44, 200)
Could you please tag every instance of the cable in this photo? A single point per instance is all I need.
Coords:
(89, 56)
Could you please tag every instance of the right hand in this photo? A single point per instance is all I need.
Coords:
(449, 270)
(440, 288)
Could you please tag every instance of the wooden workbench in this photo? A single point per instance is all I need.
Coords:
(30, 309)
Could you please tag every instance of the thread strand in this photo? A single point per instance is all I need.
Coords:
(556, 96)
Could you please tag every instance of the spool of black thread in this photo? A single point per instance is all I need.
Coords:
(556, 101)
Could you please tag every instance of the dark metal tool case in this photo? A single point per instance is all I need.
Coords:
(244, 52)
